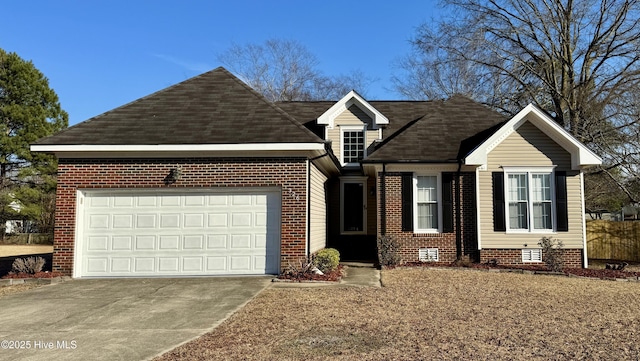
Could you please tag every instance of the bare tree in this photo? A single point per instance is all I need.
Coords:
(579, 60)
(284, 70)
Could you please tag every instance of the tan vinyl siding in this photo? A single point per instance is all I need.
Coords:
(317, 210)
(351, 117)
(371, 136)
(529, 147)
(333, 134)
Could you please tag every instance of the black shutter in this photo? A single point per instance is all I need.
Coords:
(562, 213)
(447, 202)
(407, 201)
(499, 222)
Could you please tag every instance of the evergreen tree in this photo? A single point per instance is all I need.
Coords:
(29, 110)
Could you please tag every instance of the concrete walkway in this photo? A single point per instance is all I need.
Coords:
(361, 274)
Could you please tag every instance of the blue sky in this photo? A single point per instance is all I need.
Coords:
(99, 55)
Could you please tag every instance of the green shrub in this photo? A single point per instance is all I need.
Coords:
(388, 251)
(29, 265)
(327, 259)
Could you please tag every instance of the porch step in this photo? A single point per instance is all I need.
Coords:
(359, 264)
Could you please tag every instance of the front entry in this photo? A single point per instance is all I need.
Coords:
(353, 206)
(351, 226)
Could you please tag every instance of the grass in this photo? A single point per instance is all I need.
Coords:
(7, 250)
(8, 290)
(433, 314)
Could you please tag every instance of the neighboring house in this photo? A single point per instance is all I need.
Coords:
(13, 226)
(207, 177)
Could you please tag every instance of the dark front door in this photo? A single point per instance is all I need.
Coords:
(353, 207)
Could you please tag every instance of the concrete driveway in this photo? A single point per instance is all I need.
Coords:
(123, 319)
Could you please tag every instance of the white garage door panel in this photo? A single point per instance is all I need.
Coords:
(151, 234)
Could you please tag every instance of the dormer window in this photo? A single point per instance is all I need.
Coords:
(353, 140)
(352, 125)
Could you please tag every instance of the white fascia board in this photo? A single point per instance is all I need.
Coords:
(328, 117)
(375, 168)
(178, 147)
(580, 155)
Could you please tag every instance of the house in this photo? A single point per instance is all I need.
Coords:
(206, 177)
(17, 225)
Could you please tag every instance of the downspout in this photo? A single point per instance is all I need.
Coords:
(585, 256)
(383, 200)
(308, 209)
(458, 212)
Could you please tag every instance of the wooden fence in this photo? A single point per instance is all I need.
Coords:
(613, 240)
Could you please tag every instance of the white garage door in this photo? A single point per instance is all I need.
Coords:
(138, 234)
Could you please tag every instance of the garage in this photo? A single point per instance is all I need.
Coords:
(137, 233)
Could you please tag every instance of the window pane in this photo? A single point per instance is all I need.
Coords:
(427, 201)
(427, 216)
(428, 189)
(352, 146)
(518, 215)
(542, 215)
(518, 187)
(518, 195)
(541, 187)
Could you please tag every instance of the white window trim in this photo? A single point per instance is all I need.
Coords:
(529, 171)
(415, 202)
(531, 251)
(353, 128)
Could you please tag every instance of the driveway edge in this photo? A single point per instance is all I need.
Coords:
(215, 324)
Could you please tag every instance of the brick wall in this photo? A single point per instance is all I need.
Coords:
(572, 257)
(445, 242)
(288, 174)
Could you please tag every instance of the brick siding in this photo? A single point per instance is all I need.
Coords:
(410, 243)
(288, 174)
(572, 257)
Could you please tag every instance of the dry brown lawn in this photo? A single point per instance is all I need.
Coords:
(8, 290)
(424, 314)
(7, 250)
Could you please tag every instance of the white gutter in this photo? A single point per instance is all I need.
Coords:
(176, 147)
(478, 225)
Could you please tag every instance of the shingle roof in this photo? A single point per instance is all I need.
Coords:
(307, 113)
(218, 108)
(444, 132)
(426, 131)
(212, 108)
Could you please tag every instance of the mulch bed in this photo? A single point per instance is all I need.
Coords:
(7, 262)
(580, 272)
(333, 276)
(45, 274)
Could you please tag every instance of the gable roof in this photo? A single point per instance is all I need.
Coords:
(352, 98)
(212, 108)
(435, 131)
(581, 156)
